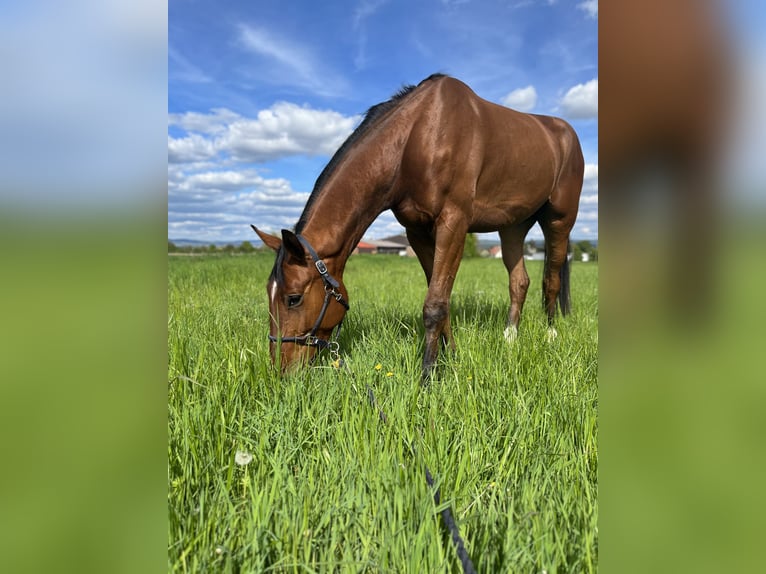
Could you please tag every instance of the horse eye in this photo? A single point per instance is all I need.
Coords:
(294, 300)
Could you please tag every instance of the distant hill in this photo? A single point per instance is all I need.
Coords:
(198, 243)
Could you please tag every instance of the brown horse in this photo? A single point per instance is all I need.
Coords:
(447, 163)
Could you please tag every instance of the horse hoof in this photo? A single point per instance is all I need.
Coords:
(510, 333)
(552, 334)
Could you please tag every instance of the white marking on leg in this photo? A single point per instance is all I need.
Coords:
(510, 333)
(552, 334)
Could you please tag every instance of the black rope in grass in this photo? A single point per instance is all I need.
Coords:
(446, 514)
(449, 522)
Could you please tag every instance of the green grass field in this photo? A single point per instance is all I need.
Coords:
(509, 431)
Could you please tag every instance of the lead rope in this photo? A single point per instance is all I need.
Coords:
(446, 513)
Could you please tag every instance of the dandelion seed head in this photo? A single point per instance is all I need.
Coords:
(243, 458)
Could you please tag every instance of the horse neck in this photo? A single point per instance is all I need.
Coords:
(359, 190)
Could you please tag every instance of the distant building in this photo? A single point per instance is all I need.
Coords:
(394, 245)
(365, 247)
(401, 239)
(385, 247)
(402, 243)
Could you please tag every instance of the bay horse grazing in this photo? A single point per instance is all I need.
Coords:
(447, 163)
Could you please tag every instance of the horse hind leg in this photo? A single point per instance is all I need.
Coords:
(512, 245)
(556, 271)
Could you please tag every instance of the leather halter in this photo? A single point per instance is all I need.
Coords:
(331, 291)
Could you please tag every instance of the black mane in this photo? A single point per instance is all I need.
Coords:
(370, 117)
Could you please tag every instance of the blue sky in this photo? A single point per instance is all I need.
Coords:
(260, 94)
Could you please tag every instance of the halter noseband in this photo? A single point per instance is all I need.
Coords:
(331, 291)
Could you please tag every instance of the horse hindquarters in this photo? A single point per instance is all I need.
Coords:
(556, 218)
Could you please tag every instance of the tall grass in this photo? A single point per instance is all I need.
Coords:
(509, 431)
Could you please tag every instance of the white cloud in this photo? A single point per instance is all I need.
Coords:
(522, 99)
(590, 7)
(212, 123)
(591, 172)
(214, 196)
(220, 205)
(193, 147)
(286, 53)
(228, 180)
(284, 129)
(581, 101)
(587, 215)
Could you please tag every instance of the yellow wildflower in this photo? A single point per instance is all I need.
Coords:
(378, 367)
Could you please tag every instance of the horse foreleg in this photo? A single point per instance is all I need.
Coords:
(449, 243)
(423, 244)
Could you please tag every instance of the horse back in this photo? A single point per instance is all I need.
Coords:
(497, 164)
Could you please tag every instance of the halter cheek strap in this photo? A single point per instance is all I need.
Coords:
(331, 288)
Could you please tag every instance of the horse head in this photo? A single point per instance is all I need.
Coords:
(306, 302)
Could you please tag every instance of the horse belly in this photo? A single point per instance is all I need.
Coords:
(500, 205)
(493, 217)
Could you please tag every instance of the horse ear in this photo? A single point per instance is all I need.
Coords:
(269, 240)
(293, 246)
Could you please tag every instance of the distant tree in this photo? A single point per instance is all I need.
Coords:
(246, 247)
(471, 248)
(229, 248)
(582, 247)
(212, 248)
(172, 247)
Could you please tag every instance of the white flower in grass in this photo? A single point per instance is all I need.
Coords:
(243, 458)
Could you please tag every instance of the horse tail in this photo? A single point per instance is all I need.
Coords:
(564, 301)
